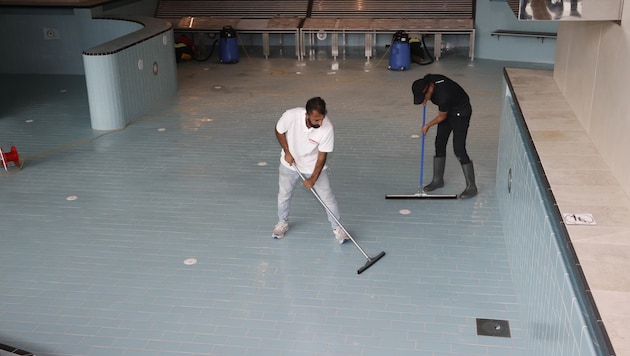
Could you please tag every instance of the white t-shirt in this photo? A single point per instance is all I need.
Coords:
(305, 143)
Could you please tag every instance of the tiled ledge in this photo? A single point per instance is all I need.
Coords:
(149, 27)
(581, 182)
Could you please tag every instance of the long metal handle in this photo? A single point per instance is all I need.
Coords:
(312, 189)
(424, 118)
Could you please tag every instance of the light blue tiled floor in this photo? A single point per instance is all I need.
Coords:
(104, 274)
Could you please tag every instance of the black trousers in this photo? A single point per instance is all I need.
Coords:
(457, 123)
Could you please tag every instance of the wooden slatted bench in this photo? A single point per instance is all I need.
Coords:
(245, 16)
(370, 17)
(308, 18)
(435, 27)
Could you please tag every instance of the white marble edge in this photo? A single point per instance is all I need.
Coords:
(581, 182)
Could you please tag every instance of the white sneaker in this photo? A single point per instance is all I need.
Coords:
(341, 235)
(279, 230)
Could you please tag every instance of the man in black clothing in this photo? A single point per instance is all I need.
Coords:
(454, 116)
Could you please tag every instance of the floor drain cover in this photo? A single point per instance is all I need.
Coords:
(12, 351)
(489, 327)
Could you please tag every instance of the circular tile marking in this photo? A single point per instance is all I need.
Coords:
(415, 136)
(161, 129)
(262, 164)
(72, 198)
(190, 261)
(405, 211)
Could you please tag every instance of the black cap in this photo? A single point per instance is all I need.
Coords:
(418, 89)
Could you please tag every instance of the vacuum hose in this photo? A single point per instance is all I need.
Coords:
(203, 59)
(424, 49)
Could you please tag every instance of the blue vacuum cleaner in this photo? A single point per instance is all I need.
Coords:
(399, 52)
(228, 46)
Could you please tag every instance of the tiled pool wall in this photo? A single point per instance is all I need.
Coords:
(557, 309)
(123, 82)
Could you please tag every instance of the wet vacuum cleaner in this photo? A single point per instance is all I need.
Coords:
(421, 194)
(370, 260)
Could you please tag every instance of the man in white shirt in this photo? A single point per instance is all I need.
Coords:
(306, 136)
